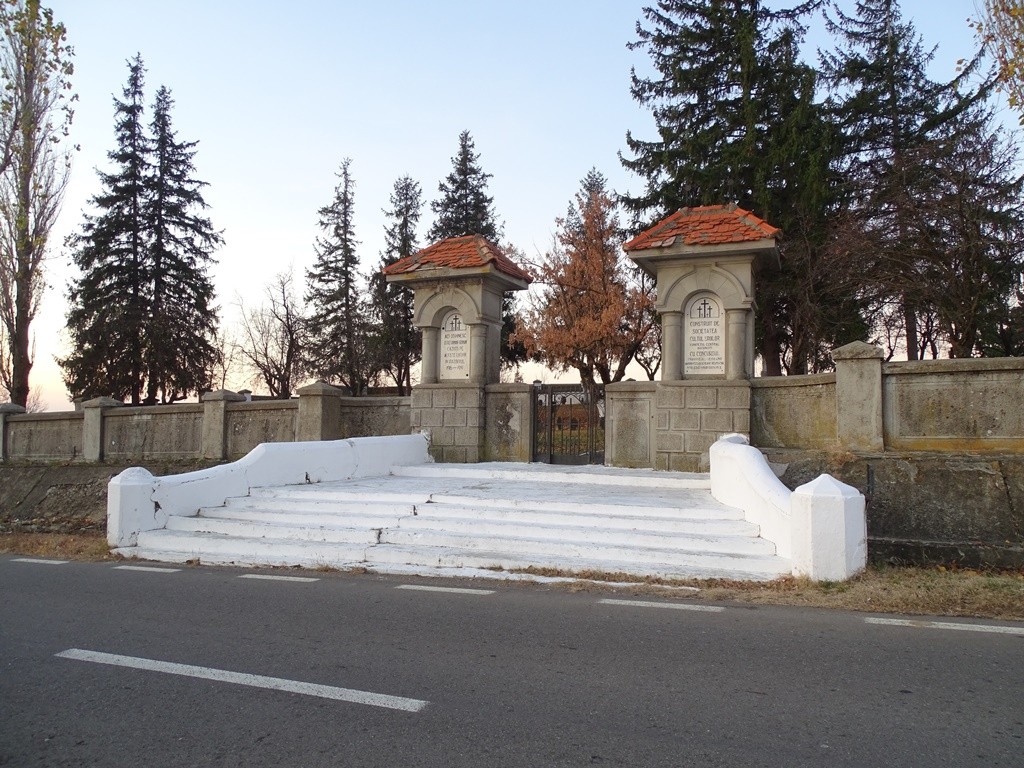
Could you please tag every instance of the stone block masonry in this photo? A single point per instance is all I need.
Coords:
(691, 415)
(453, 414)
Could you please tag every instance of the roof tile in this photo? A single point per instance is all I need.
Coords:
(458, 253)
(704, 225)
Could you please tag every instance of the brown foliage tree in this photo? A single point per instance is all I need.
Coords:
(591, 312)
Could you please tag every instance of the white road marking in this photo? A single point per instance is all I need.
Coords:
(38, 560)
(453, 590)
(652, 604)
(1001, 630)
(270, 577)
(253, 681)
(145, 569)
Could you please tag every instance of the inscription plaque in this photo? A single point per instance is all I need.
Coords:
(704, 337)
(454, 349)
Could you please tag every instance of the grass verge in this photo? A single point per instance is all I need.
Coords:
(880, 589)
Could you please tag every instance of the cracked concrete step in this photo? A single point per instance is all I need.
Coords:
(267, 510)
(217, 548)
(333, 534)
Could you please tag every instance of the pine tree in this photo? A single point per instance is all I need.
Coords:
(396, 341)
(465, 208)
(338, 327)
(737, 122)
(109, 301)
(181, 329)
(140, 321)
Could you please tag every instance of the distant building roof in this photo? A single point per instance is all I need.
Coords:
(706, 225)
(470, 251)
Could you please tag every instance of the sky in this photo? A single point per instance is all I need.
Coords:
(278, 94)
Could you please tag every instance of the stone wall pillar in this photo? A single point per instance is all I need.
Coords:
(672, 346)
(215, 422)
(92, 426)
(430, 357)
(478, 353)
(319, 412)
(736, 344)
(6, 410)
(859, 425)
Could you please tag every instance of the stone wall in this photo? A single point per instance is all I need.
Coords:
(157, 432)
(508, 414)
(972, 405)
(224, 426)
(41, 436)
(928, 507)
(267, 421)
(369, 416)
(794, 412)
(672, 424)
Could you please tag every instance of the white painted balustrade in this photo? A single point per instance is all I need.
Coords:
(821, 526)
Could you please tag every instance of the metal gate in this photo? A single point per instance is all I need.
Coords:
(568, 423)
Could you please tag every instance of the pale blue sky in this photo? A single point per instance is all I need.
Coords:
(277, 96)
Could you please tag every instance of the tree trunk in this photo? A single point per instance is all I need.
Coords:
(910, 323)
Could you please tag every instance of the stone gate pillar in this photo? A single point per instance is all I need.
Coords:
(704, 261)
(458, 285)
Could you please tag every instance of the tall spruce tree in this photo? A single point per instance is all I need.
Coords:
(736, 121)
(465, 208)
(395, 340)
(181, 328)
(140, 321)
(338, 324)
(109, 301)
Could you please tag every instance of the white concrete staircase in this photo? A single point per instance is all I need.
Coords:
(480, 518)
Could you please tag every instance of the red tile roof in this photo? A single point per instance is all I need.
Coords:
(706, 225)
(459, 253)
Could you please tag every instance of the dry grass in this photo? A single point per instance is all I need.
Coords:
(931, 591)
(882, 589)
(61, 546)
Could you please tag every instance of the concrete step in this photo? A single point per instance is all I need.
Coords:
(562, 542)
(693, 507)
(702, 566)
(551, 473)
(331, 534)
(481, 516)
(217, 548)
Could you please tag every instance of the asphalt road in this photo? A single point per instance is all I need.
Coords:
(171, 668)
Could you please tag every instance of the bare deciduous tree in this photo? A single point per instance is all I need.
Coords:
(35, 114)
(272, 337)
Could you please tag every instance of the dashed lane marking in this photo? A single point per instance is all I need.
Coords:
(452, 590)
(253, 681)
(145, 569)
(271, 577)
(993, 628)
(652, 604)
(38, 561)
